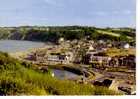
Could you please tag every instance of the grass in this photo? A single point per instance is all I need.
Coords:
(120, 52)
(112, 33)
(108, 33)
(18, 78)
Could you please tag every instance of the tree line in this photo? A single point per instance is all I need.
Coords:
(52, 34)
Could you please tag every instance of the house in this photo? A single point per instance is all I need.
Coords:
(126, 46)
(62, 59)
(121, 44)
(69, 56)
(100, 61)
(61, 40)
(97, 61)
(59, 58)
(52, 58)
(109, 45)
(101, 41)
(90, 48)
(125, 88)
(123, 61)
(103, 81)
(112, 84)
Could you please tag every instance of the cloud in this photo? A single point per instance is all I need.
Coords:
(128, 12)
(24, 18)
(123, 12)
(53, 3)
(115, 12)
(101, 13)
(112, 13)
(98, 13)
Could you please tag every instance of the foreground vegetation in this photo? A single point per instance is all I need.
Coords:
(20, 78)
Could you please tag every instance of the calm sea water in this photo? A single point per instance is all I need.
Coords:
(17, 45)
(62, 74)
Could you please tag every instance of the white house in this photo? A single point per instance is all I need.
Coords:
(61, 40)
(126, 46)
(91, 47)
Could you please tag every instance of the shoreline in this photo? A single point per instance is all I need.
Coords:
(22, 54)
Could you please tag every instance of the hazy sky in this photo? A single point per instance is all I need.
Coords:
(101, 13)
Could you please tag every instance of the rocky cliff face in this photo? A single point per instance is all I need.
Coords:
(16, 36)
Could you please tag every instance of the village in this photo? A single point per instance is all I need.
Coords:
(102, 63)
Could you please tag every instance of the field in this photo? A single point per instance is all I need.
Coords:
(120, 52)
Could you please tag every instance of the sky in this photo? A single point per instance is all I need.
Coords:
(100, 13)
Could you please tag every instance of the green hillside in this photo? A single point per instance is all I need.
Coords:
(53, 33)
